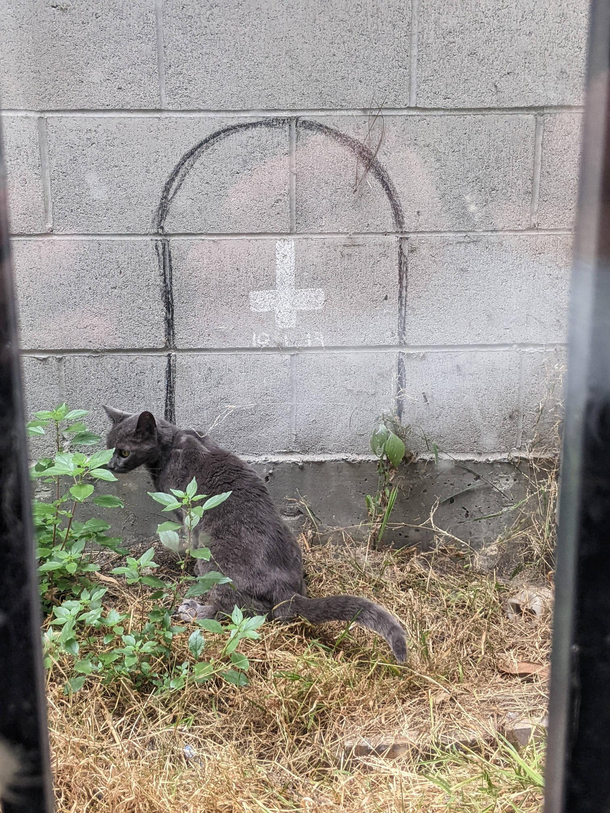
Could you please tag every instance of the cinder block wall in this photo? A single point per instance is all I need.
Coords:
(281, 218)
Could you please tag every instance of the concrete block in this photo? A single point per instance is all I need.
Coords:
(243, 400)
(285, 293)
(78, 54)
(107, 175)
(561, 141)
(42, 389)
(336, 490)
(41, 384)
(450, 173)
(463, 493)
(464, 402)
(24, 174)
(481, 53)
(129, 382)
(88, 293)
(252, 55)
(487, 290)
(543, 374)
(339, 397)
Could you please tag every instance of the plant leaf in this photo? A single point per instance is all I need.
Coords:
(108, 501)
(235, 677)
(217, 500)
(378, 439)
(254, 623)
(196, 643)
(203, 671)
(204, 583)
(103, 474)
(161, 497)
(76, 413)
(168, 526)
(74, 428)
(394, 449)
(71, 646)
(82, 491)
(100, 458)
(113, 618)
(53, 471)
(153, 581)
(146, 559)
(86, 438)
(84, 667)
(201, 553)
(191, 489)
(44, 415)
(93, 526)
(75, 684)
(60, 412)
(240, 661)
(171, 540)
(210, 624)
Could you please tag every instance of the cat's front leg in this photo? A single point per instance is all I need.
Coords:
(190, 609)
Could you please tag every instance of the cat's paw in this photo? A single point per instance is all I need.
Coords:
(190, 609)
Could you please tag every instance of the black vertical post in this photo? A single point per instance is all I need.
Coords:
(578, 758)
(23, 722)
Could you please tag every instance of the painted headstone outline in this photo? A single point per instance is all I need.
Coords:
(179, 175)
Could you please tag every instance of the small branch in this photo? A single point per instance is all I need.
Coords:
(63, 544)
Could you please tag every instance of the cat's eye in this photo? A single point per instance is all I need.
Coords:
(124, 453)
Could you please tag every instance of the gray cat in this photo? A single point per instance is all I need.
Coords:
(249, 542)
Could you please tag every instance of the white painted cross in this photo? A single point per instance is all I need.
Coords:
(286, 300)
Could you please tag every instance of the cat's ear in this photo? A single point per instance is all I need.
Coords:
(147, 425)
(115, 415)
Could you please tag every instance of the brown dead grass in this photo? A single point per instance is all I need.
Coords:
(279, 744)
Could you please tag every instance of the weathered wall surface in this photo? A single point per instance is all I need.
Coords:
(280, 219)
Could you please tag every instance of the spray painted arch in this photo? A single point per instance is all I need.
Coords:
(186, 164)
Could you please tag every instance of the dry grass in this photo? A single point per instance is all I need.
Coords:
(279, 744)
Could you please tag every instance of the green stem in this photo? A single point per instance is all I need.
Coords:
(388, 511)
(72, 512)
(56, 510)
(56, 485)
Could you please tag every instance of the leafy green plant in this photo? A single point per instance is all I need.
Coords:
(390, 451)
(70, 478)
(85, 637)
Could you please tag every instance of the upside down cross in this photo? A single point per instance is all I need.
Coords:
(286, 299)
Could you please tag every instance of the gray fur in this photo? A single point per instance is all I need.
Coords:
(246, 535)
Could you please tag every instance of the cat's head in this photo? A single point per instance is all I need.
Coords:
(134, 438)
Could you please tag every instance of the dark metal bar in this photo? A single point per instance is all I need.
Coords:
(578, 757)
(23, 720)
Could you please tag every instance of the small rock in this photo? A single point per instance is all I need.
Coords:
(388, 747)
(469, 740)
(190, 755)
(486, 559)
(531, 602)
(519, 732)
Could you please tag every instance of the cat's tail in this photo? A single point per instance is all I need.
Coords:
(347, 608)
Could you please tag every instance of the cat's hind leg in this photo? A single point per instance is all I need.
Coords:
(191, 609)
(222, 598)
